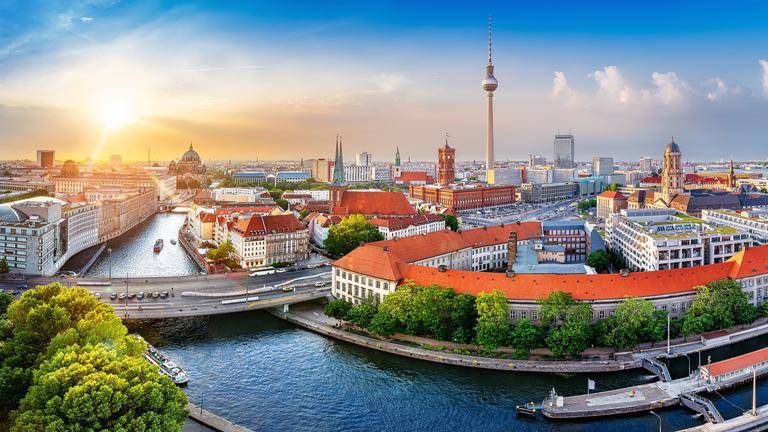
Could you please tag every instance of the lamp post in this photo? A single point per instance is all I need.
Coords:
(659, 417)
(109, 258)
(668, 333)
(689, 363)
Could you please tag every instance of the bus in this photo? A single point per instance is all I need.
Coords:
(262, 272)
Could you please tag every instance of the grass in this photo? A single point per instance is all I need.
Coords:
(35, 193)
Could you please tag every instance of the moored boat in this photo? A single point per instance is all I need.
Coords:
(158, 245)
(165, 365)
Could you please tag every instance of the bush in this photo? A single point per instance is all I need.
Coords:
(362, 315)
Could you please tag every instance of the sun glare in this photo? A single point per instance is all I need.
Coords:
(116, 112)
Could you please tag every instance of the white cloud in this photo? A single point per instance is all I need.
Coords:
(389, 82)
(612, 85)
(560, 85)
(86, 19)
(669, 88)
(764, 64)
(717, 89)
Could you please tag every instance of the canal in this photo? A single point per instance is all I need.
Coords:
(132, 252)
(268, 375)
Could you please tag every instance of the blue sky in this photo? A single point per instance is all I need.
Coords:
(279, 79)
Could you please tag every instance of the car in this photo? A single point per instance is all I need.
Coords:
(132, 295)
(97, 295)
(22, 286)
(203, 273)
(140, 295)
(287, 289)
(155, 294)
(164, 294)
(311, 266)
(113, 296)
(122, 296)
(69, 274)
(280, 270)
(16, 292)
(319, 284)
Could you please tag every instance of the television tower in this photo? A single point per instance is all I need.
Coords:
(489, 85)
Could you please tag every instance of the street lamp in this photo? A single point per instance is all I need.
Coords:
(109, 258)
(659, 417)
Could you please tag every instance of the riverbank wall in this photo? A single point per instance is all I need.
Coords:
(191, 251)
(212, 421)
(560, 366)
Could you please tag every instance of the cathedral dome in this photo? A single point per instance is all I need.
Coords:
(190, 156)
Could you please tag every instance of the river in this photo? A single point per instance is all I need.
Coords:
(132, 252)
(268, 375)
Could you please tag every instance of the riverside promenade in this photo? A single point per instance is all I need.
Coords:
(311, 317)
(204, 420)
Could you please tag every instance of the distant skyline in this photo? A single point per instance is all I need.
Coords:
(273, 80)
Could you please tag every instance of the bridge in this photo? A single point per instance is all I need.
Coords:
(199, 295)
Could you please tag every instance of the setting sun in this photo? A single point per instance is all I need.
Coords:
(116, 112)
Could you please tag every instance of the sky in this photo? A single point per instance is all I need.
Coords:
(279, 80)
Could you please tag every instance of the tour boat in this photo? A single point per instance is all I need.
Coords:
(173, 242)
(165, 365)
(158, 245)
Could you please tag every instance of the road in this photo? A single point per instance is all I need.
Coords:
(199, 295)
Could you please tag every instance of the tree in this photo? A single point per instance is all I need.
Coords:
(554, 308)
(451, 222)
(570, 338)
(304, 213)
(587, 204)
(599, 260)
(384, 323)
(718, 305)
(5, 301)
(276, 194)
(613, 187)
(94, 388)
(338, 309)
(631, 319)
(362, 314)
(4, 266)
(350, 233)
(524, 337)
(222, 252)
(655, 328)
(492, 326)
(284, 204)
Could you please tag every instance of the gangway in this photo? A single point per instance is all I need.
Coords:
(658, 368)
(702, 406)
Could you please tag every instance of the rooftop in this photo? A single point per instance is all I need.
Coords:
(737, 363)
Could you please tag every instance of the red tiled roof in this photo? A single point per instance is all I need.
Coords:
(612, 195)
(749, 262)
(582, 287)
(206, 217)
(651, 179)
(261, 225)
(367, 259)
(373, 203)
(737, 363)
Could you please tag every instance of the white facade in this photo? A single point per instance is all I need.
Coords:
(602, 166)
(238, 195)
(754, 222)
(661, 239)
(412, 229)
(317, 195)
(266, 249)
(539, 175)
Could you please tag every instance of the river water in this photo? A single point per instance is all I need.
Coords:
(268, 375)
(132, 252)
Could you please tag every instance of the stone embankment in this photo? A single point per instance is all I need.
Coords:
(315, 320)
(212, 421)
(326, 326)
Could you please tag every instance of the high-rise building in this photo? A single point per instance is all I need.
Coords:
(646, 164)
(446, 155)
(363, 159)
(563, 151)
(602, 166)
(45, 158)
(489, 85)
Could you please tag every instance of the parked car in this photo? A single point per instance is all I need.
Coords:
(122, 296)
(22, 286)
(280, 270)
(155, 294)
(164, 294)
(140, 295)
(113, 296)
(319, 284)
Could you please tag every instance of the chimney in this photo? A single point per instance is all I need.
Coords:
(511, 253)
(624, 272)
(442, 268)
(386, 248)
